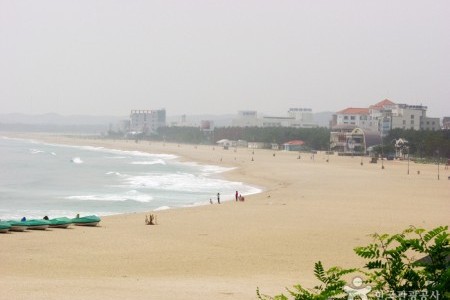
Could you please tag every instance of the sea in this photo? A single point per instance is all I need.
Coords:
(40, 179)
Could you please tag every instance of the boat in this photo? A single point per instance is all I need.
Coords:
(60, 222)
(4, 227)
(17, 225)
(86, 220)
(36, 224)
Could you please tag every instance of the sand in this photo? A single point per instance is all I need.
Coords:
(309, 210)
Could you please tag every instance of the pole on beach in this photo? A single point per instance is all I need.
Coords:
(439, 158)
(408, 160)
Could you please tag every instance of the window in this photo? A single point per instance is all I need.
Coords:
(412, 122)
(412, 116)
(345, 117)
(404, 123)
(352, 117)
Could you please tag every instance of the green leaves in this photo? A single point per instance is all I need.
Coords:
(393, 265)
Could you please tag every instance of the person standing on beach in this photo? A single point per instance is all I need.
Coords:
(237, 196)
(218, 198)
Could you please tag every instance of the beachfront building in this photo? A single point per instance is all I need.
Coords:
(357, 117)
(295, 145)
(268, 121)
(351, 140)
(246, 118)
(385, 116)
(427, 123)
(296, 117)
(446, 123)
(147, 121)
(303, 118)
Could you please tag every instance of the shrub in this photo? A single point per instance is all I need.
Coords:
(393, 269)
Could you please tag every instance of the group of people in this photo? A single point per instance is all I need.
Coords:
(238, 197)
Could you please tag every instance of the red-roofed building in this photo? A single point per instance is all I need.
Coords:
(384, 116)
(353, 116)
(383, 104)
(294, 145)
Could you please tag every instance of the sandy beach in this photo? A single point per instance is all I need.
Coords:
(309, 210)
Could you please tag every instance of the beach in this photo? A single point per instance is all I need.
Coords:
(312, 208)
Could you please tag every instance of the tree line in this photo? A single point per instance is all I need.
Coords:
(422, 144)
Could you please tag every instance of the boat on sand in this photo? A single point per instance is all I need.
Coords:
(86, 220)
(17, 225)
(4, 227)
(62, 222)
(36, 224)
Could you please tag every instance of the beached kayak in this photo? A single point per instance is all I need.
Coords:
(62, 222)
(86, 221)
(4, 227)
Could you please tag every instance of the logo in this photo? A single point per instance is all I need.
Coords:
(357, 289)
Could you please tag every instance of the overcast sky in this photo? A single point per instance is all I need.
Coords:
(106, 57)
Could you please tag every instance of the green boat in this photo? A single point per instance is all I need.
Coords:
(60, 222)
(4, 227)
(86, 221)
(36, 224)
(17, 225)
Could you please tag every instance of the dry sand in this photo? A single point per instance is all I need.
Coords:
(310, 210)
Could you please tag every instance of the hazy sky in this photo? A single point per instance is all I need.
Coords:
(191, 57)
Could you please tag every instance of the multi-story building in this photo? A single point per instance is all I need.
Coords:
(358, 117)
(387, 115)
(147, 121)
(427, 123)
(268, 121)
(246, 118)
(446, 123)
(303, 117)
(296, 117)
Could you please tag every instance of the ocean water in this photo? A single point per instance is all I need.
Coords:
(38, 179)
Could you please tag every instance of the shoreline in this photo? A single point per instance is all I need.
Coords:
(218, 172)
(309, 210)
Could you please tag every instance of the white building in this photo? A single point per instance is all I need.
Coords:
(246, 118)
(386, 115)
(303, 117)
(147, 121)
(296, 117)
(358, 117)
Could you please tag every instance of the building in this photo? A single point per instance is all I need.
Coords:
(385, 116)
(303, 117)
(358, 117)
(246, 118)
(147, 121)
(268, 121)
(427, 123)
(446, 123)
(295, 145)
(350, 140)
(296, 117)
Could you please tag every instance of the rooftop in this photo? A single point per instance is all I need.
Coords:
(354, 111)
(381, 104)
